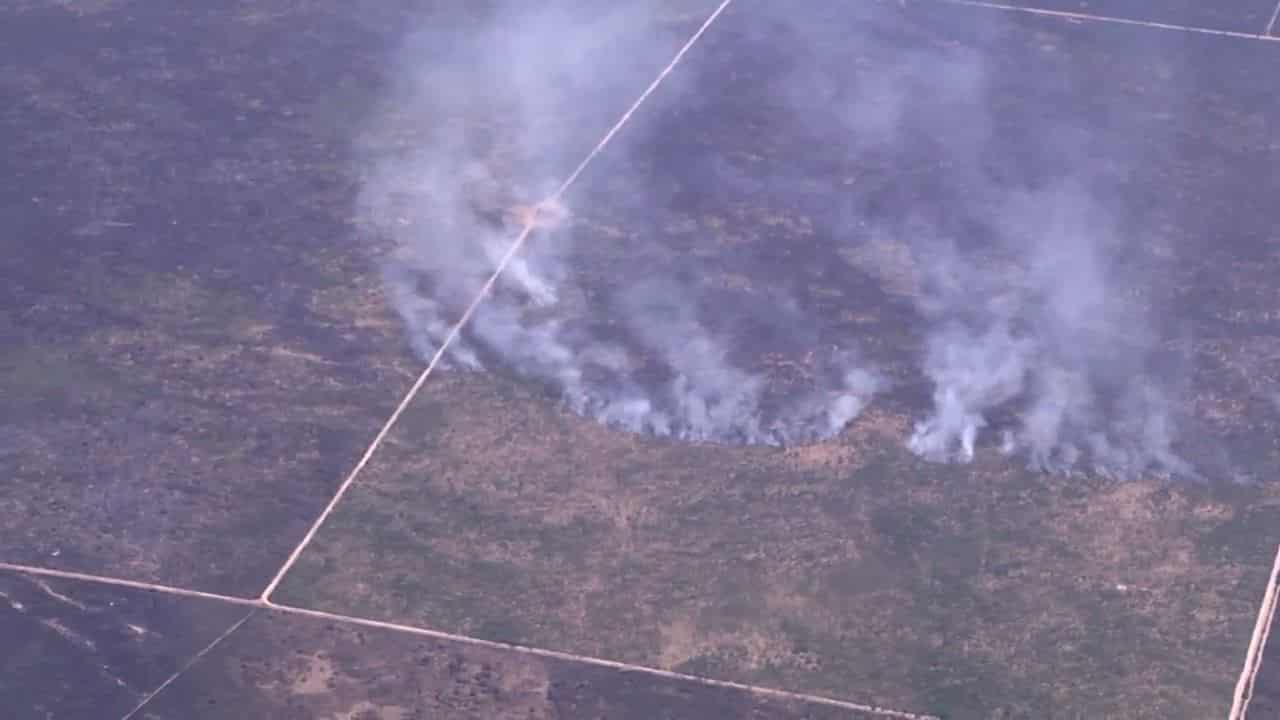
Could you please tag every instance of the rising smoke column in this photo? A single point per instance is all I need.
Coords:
(464, 137)
(1034, 336)
(1051, 336)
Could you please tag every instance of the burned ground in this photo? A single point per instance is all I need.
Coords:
(195, 339)
(1266, 698)
(196, 348)
(77, 651)
(1245, 16)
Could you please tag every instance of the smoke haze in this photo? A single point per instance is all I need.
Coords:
(647, 355)
(1033, 333)
(1031, 296)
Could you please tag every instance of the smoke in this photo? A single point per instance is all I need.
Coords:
(1036, 332)
(1050, 335)
(1039, 332)
(471, 137)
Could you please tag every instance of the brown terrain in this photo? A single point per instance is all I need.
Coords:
(195, 349)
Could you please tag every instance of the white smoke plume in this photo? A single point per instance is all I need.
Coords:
(470, 136)
(1051, 336)
(1038, 334)
(1035, 332)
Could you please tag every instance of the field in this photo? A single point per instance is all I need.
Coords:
(196, 350)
